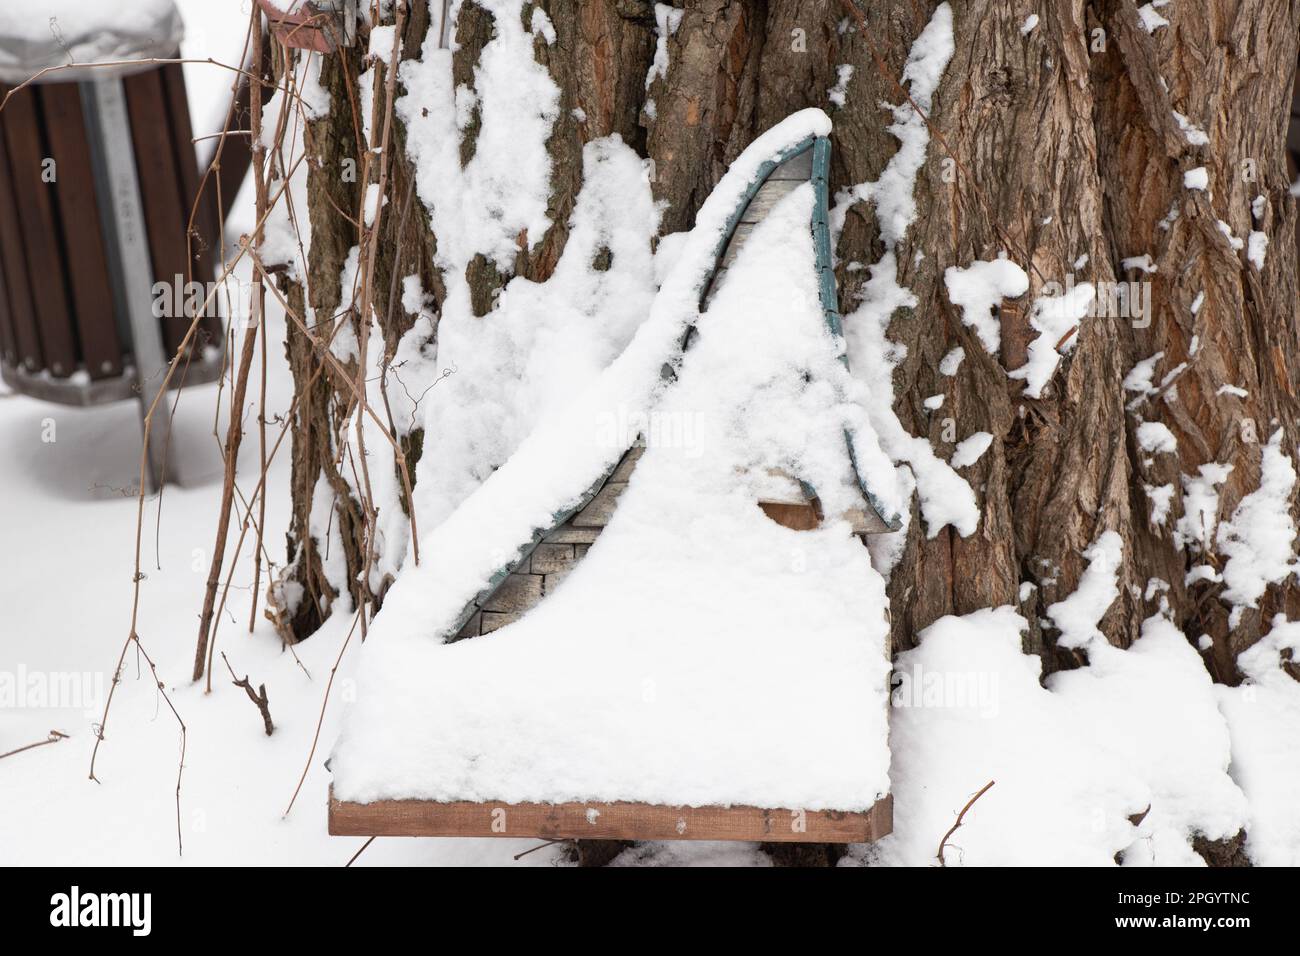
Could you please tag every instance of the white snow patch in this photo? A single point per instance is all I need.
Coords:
(1237, 244)
(1193, 133)
(1263, 716)
(971, 449)
(980, 715)
(978, 290)
(1154, 708)
(1149, 19)
(1259, 539)
(374, 201)
(381, 43)
(542, 26)
(1056, 319)
(1161, 498)
(838, 94)
(1142, 262)
(544, 341)
(1156, 437)
(1141, 376)
(949, 364)
(1078, 615)
(1201, 506)
(502, 194)
(667, 20)
(414, 298)
(1257, 248)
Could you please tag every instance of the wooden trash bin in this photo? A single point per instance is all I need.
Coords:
(98, 177)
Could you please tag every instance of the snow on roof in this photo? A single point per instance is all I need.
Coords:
(701, 653)
(35, 36)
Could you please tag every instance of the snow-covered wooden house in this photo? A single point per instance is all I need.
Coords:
(658, 619)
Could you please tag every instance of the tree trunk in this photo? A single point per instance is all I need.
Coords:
(1047, 143)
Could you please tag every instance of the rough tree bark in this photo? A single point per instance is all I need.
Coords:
(1047, 144)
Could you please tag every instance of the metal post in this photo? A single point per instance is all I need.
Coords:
(112, 152)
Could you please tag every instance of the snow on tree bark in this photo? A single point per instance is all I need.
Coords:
(1064, 146)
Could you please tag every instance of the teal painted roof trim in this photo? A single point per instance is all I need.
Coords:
(829, 299)
(829, 295)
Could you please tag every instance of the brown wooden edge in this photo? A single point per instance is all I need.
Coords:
(608, 821)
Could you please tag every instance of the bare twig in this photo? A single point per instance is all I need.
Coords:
(149, 61)
(358, 853)
(54, 737)
(953, 829)
(147, 429)
(541, 846)
(234, 432)
(258, 697)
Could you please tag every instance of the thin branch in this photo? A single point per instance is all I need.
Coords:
(953, 829)
(54, 737)
(147, 430)
(155, 61)
(258, 697)
(541, 846)
(235, 432)
(358, 853)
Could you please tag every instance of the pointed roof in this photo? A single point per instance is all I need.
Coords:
(806, 160)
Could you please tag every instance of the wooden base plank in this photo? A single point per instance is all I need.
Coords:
(608, 821)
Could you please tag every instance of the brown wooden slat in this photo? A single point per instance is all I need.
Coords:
(797, 517)
(236, 155)
(40, 231)
(83, 236)
(165, 213)
(205, 244)
(608, 821)
(8, 336)
(13, 260)
(8, 343)
(187, 166)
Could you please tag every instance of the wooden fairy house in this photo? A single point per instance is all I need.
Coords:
(693, 645)
(321, 26)
(82, 246)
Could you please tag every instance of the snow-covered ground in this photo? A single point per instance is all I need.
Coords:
(66, 565)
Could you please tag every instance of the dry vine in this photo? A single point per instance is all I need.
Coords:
(953, 829)
(53, 738)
